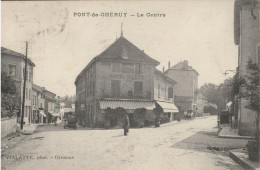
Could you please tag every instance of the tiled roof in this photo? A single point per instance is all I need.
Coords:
(159, 73)
(122, 49)
(13, 53)
(37, 88)
(180, 66)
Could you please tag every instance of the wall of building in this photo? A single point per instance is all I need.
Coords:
(7, 60)
(186, 81)
(248, 49)
(162, 93)
(105, 75)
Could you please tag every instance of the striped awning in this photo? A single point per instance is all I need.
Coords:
(168, 107)
(126, 104)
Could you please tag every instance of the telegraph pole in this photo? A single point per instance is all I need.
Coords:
(24, 85)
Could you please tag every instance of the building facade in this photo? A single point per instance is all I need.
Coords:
(121, 77)
(247, 38)
(39, 116)
(185, 91)
(201, 103)
(163, 96)
(13, 64)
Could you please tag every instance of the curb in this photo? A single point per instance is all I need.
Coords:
(239, 161)
(234, 137)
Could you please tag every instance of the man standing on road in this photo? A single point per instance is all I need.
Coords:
(126, 124)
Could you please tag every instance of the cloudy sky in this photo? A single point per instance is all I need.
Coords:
(61, 44)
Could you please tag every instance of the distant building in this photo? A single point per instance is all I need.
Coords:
(201, 103)
(13, 63)
(185, 90)
(121, 77)
(247, 37)
(39, 115)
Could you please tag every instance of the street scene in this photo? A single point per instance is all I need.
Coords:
(147, 148)
(144, 85)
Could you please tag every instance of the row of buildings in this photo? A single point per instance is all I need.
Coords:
(123, 76)
(40, 103)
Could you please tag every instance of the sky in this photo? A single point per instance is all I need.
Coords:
(61, 43)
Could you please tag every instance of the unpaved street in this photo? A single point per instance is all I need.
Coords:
(179, 145)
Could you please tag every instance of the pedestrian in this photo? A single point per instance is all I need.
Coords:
(126, 124)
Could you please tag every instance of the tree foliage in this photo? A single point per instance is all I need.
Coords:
(250, 86)
(9, 98)
(218, 94)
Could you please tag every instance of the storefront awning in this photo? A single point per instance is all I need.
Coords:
(168, 107)
(126, 104)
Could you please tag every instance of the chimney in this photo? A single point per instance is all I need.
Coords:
(185, 64)
(169, 65)
(163, 70)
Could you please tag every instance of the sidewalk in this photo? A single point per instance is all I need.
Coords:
(241, 157)
(29, 129)
(227, 132)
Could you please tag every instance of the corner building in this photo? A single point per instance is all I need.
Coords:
(121, 77)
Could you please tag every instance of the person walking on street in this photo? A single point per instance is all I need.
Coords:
(126, 124)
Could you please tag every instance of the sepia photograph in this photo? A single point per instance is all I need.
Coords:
(130, 85)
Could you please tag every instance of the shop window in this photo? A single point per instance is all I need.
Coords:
(115, 88)
(138, 88)
(12, 70)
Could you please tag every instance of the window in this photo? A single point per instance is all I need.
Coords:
(116, 67)
(12, 70)
(159, 90)
(127, 68)
(26, 93)
(93, 88)
(138, 88)
(138, 68)
(170, 92)
(115, 88)
(29, 94)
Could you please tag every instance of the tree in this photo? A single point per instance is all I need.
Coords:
(251, 91)
(9, 97)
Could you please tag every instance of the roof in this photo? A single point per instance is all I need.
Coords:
(37, 88)
(180, 66)
(127, 104)
(122, 50)
(159, 73)
(16, 54)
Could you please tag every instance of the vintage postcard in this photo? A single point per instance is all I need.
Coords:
(130, 85)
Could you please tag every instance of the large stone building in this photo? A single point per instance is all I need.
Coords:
(120, 77)
(186, 89)
(13, 64)
(247, 37)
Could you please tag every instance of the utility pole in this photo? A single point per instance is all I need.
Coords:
(24, 85)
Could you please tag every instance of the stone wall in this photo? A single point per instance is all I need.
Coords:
(8, 126)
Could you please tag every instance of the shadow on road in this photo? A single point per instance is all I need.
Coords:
(209, 142)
